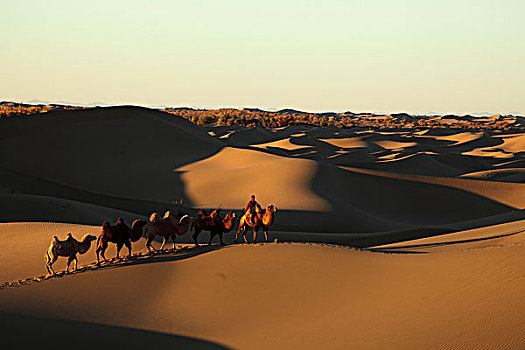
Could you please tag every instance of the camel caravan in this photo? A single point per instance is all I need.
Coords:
(168, 227)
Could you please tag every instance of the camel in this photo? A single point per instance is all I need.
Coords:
(167, 227)
(120, 234)
(213, 223)
(261, 220)
(70, 248)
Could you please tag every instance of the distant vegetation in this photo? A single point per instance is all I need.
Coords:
(287, 117)
(12, 109)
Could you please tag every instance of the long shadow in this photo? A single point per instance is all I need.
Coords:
(431, 245)
(29, 184)
(137, 259)
(33, 332)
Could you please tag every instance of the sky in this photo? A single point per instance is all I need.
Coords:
(415, 56)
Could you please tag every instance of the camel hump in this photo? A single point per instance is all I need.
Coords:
(120, 221)
(154, 218)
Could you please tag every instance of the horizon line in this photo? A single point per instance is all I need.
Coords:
(270, 110)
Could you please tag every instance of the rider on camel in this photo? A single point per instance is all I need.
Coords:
(250, 209)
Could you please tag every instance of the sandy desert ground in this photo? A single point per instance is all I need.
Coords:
(382, 239)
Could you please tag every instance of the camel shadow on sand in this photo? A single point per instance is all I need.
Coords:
(136, 259)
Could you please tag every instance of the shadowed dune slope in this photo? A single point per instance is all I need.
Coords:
(122, 151)
(23, 207)
(508, 194)
(51, 333)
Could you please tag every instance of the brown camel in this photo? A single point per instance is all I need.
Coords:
(213, 223)
(167, 227)
(70, 248)
(261, 220)
(120, 234)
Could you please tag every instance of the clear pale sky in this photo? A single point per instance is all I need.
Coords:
(417, 56)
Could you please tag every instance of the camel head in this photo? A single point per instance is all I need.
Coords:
(120, 221)
(271, 208)
(258, 208)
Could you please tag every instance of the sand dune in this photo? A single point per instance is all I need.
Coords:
(284, 144)
(440, 263)
(505, 175)
(278, 295)
(114, 151)
(23, 207)
(237, 173)
(510, 194)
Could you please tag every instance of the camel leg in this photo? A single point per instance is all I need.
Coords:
(102, 249)
(173, 239)
(76, 261)
(237, 235)
(244, 234)
(195, 236)
(128, 245)
(220, 237)
(266, 234)
(254, 234)
(119, 247)
(212, 234)
(69, 261)
(50, 261)
(148, 244)
(164, 243)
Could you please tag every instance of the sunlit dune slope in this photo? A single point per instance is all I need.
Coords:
(230, 176)
(301, 295)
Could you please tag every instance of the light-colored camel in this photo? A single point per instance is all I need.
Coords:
(167, 227)
(70, 248)
(262, 219)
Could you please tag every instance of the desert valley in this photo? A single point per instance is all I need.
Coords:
(386, 235)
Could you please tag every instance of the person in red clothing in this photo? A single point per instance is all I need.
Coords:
(250, 209)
